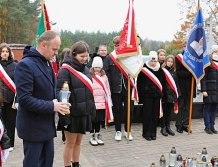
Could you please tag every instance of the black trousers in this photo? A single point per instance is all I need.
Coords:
(183, 112)
(151, 108)
(167, 109)
(9, 118)
(120, 99)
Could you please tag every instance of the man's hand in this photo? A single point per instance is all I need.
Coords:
(61, 107)
(205, 94)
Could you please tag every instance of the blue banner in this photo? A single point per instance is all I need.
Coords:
(195, 57)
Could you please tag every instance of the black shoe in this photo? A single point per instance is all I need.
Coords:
(147, 138)
(163, 131)
(208, 131)
(169, 131)
(214, 130)
(179, 129)
(186, 129)
(153, 138)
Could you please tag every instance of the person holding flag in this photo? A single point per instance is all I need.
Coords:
(191, 65)
(209, 88)
(118, 86)
(184, 80)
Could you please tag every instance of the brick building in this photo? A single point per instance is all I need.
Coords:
(17, 49)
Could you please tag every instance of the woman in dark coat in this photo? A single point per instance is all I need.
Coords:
(4, 139)
(82, 110)
(209, 88)
(8, 113)
(150, 95)
(172, 96)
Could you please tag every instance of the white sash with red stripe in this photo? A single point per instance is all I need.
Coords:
(132, 82)
(215, 65)
(108, 102)
(156, 81)
(80, 75)
(172, 84)
(7, 80)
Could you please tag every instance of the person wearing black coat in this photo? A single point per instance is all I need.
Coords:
(185, 80)
(8, 113)
(209, 88)
(150, 95)
(168, 106)
(119, 94)
(82, 110)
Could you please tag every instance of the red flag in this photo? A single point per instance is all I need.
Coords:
(128, 45)
(129, 54)
(48, 27)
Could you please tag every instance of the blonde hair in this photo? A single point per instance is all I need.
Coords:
(174, 63)
(92, 72)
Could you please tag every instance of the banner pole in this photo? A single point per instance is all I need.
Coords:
(191, 102)
(128, 110)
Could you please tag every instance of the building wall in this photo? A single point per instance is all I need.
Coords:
(17, 49)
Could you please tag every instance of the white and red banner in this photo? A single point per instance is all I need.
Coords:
(215, 65)
(173, 86)
(81, 76)
(128, 53)
(108, 102)
(156, 81)
(132, 82)
(7, 80)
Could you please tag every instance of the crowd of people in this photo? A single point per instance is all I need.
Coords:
(97, 85)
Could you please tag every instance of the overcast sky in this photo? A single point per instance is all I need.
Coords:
(155, 19)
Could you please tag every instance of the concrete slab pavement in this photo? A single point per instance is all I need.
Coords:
(136, 153)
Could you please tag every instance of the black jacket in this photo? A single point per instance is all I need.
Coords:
(185, 79)
(209, 84)
(117, 81)
(9, 66)
(171, 95)
(147, 88)
(81, 99)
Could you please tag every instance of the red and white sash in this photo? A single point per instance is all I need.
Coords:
(180, 58)
(132, 82)
(80, 75)
(172, 84)
(7, 80)
(108, 102)
(152, 77)
(215, 65)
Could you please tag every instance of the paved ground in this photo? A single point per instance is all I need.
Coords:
(138, 153)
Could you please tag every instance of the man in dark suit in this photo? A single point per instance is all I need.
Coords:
(36, 94)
